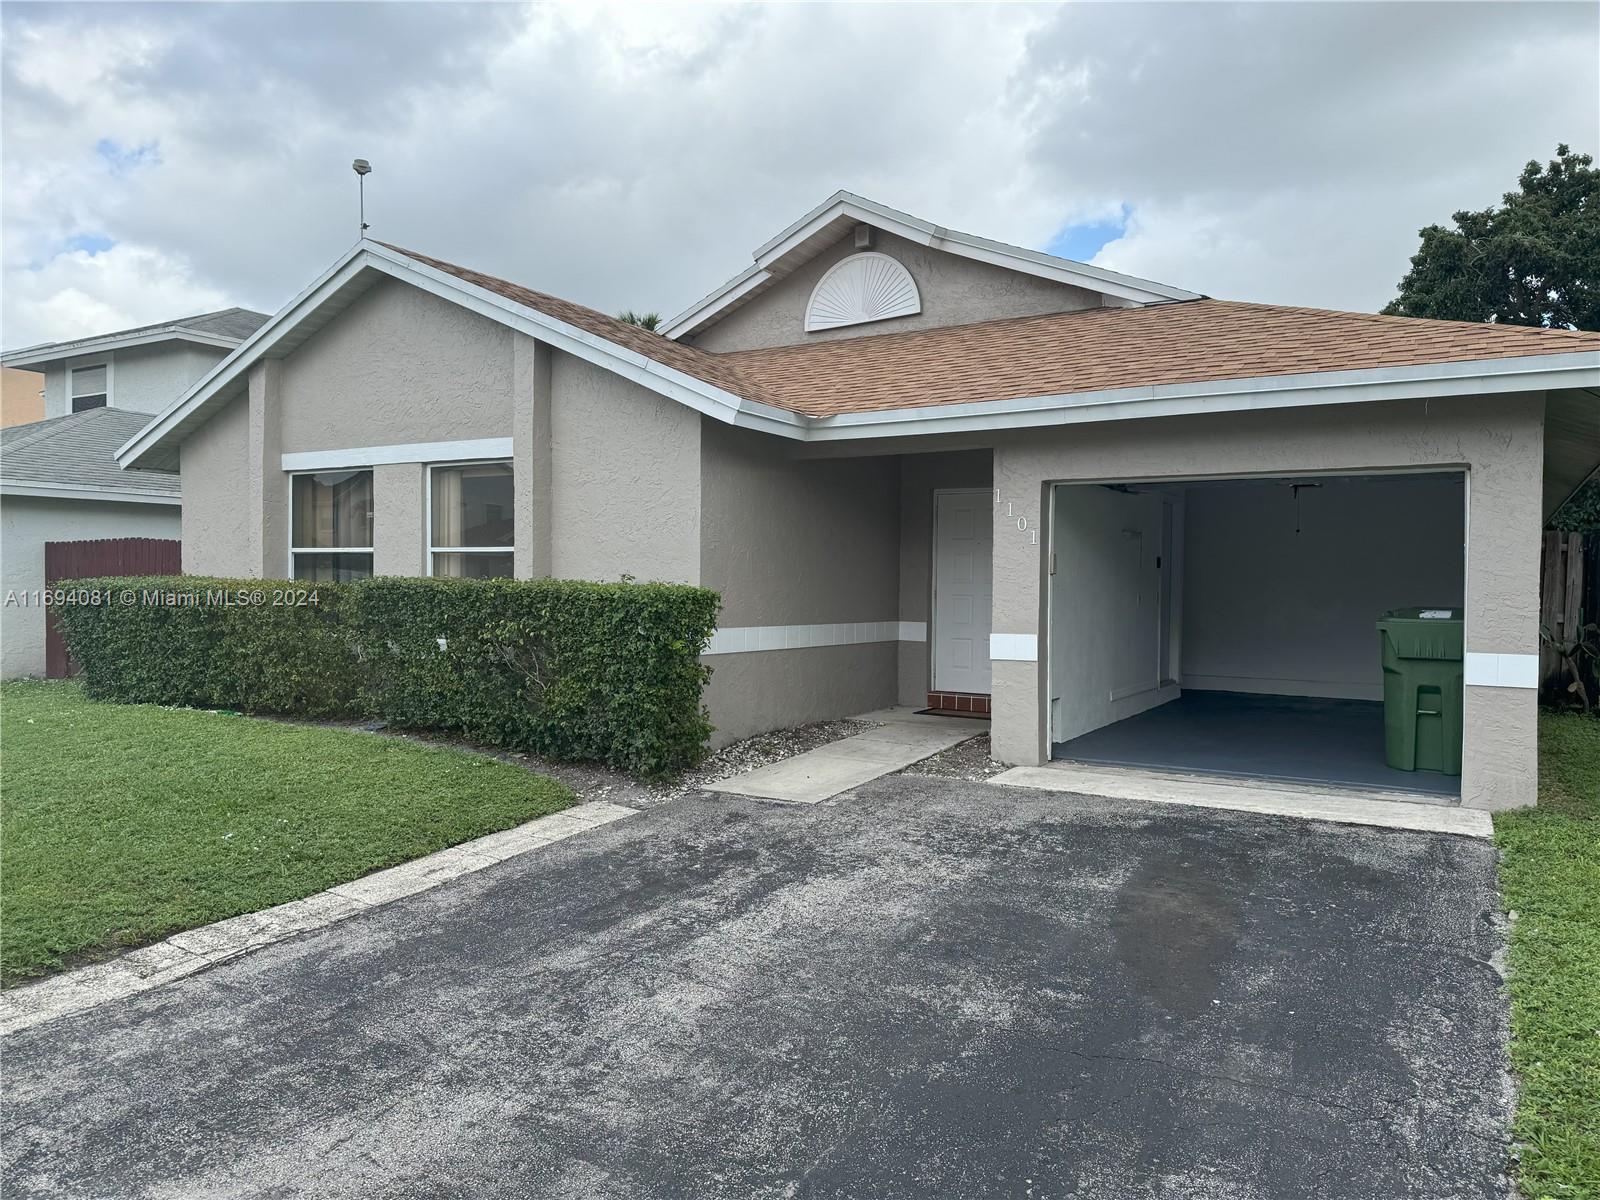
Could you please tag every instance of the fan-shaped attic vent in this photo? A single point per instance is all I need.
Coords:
(861, 288)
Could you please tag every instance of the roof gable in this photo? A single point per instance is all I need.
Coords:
(835, 217)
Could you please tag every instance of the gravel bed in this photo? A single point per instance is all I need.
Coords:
(590, 781)
(967, 760)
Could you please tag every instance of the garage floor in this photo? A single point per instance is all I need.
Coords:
(1297, 739)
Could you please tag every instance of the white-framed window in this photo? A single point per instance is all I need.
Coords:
(471, 531)
(89, 387)
(330, 525)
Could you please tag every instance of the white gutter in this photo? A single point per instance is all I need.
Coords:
(78, 491)
(1532, 373)
(56, 351)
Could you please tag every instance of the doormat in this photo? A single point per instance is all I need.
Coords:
(950, 712)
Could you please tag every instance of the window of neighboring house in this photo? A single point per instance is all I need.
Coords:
(471, 527)
(331, 526)
(89, 386)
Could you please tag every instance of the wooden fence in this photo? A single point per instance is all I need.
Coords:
(1569, 595)
(95, 559)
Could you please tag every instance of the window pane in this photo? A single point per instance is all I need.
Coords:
(333, 568)
(333, 509)
(472, 505)
(88, 381)
(472, 566)
(85, 403)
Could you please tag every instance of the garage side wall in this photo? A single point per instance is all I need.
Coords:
(30, 521)
(806, 555)
(1498, 440)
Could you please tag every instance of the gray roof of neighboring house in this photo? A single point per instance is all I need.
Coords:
(79, 451)
(232, 324)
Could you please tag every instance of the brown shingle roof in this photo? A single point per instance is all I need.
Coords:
(1058, 353)
(711, 368)
(1105, 348)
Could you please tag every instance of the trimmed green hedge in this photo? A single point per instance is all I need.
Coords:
(608, 672)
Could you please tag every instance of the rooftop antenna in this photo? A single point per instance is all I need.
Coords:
(362, 168)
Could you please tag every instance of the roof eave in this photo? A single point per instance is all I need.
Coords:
(41, 356)
(1528, 373)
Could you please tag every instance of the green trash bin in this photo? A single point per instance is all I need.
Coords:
(1422, 689)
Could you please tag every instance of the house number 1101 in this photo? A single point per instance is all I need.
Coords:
(1023, 524)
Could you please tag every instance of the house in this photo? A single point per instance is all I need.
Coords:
(927, 467)
(144, 369)
(21, 397)
(59, 478)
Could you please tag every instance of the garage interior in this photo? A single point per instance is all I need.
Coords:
(1228, 627)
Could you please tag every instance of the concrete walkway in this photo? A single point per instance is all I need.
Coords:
(900, 737)
(1159, 787)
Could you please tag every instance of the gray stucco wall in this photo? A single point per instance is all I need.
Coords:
(921, 475)
(625, 479)
(144, 378)
(26, 523)
(796, 541)
(955, 291)
(217, 516)
(398, 366)
(1499, 439)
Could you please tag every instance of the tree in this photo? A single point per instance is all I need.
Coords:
(1535, 260)
(642, 320)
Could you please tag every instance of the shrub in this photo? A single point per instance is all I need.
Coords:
(569, 670)
(208, 643)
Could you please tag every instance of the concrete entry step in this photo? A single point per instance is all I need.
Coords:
(1332, 804)
(899, 738)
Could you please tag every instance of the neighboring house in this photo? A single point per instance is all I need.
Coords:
(59, 479)
(21, 397)
(926, 467)
(143, 369)
(59, 482)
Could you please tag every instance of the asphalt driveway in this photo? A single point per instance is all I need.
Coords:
(928, 988)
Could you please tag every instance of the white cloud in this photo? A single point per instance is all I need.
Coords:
(633, 156)
(77, 294)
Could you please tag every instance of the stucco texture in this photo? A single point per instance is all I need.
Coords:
(954, 291)
(1498, 440)
(144, 378)
(625, 479)
(798, 541)
(26, 523)
(398, 366)
(218, 519)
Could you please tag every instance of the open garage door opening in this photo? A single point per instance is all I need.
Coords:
(1229, 627)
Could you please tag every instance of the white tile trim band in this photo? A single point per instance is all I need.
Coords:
(750, 639)
(1501, 670)
(1014, 647)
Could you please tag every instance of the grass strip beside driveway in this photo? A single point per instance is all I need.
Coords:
(123, 824)
(1550, 877)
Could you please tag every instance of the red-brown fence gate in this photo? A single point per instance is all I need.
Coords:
(96, 559)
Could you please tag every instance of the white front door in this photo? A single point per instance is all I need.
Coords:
(963, 538)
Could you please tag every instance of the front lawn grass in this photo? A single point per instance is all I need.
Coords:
(1550, 877)
(124, 823)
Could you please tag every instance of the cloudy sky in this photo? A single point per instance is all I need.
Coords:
(159, 160)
